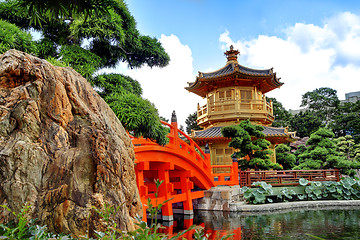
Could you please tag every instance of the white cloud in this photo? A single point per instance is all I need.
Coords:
(165, 86)
(309, 57)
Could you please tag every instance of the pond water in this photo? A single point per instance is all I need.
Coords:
(336, 223)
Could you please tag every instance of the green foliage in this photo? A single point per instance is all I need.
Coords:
(139, 116)
(282, 116)
(323, 154)
(301, 149)
(80, 59)
(75, 34)
(191, 123)
(40, 11)
(258, 195)
(22, 228)
(347, 120)
(11, 37)
(116, 83)
(114, 38)
(288, 194)
(322, 108)
(323, 102)
(250, 141)
(347, 146)
(347, 189)
(56, 62)
(46, 49)
(303, 182)
(305, 123)
(284, 157)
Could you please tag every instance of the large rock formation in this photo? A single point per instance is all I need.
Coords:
(62, 149)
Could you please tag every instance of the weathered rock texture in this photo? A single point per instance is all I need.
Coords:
(62, 149)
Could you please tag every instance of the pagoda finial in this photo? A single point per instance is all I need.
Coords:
(232, 54)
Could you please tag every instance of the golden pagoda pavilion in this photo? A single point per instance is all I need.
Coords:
(235, 93)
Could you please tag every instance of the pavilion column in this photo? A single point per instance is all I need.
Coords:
(273, 155)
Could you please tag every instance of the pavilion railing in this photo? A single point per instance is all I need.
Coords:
(287, 177)
(229, 177)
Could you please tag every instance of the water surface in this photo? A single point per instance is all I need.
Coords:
(331, 223)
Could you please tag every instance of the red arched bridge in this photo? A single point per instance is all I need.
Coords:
(186, 172)
(182, 166)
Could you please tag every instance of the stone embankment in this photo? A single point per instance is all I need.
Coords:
(230, 199)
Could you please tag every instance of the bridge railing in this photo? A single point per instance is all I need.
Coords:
(287, 177)
(188, 146)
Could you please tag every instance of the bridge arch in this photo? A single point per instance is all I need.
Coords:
(182, 166)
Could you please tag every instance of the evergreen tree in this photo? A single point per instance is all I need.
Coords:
(347, 146)
(191, 123)
(249, 141)
(305, 123)
(283, 157)
(282, 116)
(322, 154)
(347, 120)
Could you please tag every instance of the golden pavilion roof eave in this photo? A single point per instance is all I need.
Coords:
(270, 132)
(200, 84)
(233, 72)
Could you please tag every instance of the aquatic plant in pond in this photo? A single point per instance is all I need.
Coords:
(347, 189)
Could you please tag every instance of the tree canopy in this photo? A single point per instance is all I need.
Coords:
(89, 35)
(322, 154)
(284, 157)
(12, 37)
(347, 146)
(347, 120)
(305, 123)
(323, 102)
(43, 10)
(282, 116)
(191, 123)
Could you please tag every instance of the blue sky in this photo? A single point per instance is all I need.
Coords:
(310, 44)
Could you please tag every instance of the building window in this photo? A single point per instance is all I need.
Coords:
(226, 95)
(221, 95)
(245, 95)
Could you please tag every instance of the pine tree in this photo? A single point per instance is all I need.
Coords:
(249, 141)
(283, 157)
(323, 154)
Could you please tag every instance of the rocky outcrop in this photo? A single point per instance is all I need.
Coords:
(62, 149)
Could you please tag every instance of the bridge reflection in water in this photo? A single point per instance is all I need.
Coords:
(215, 225)
(337, 222)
